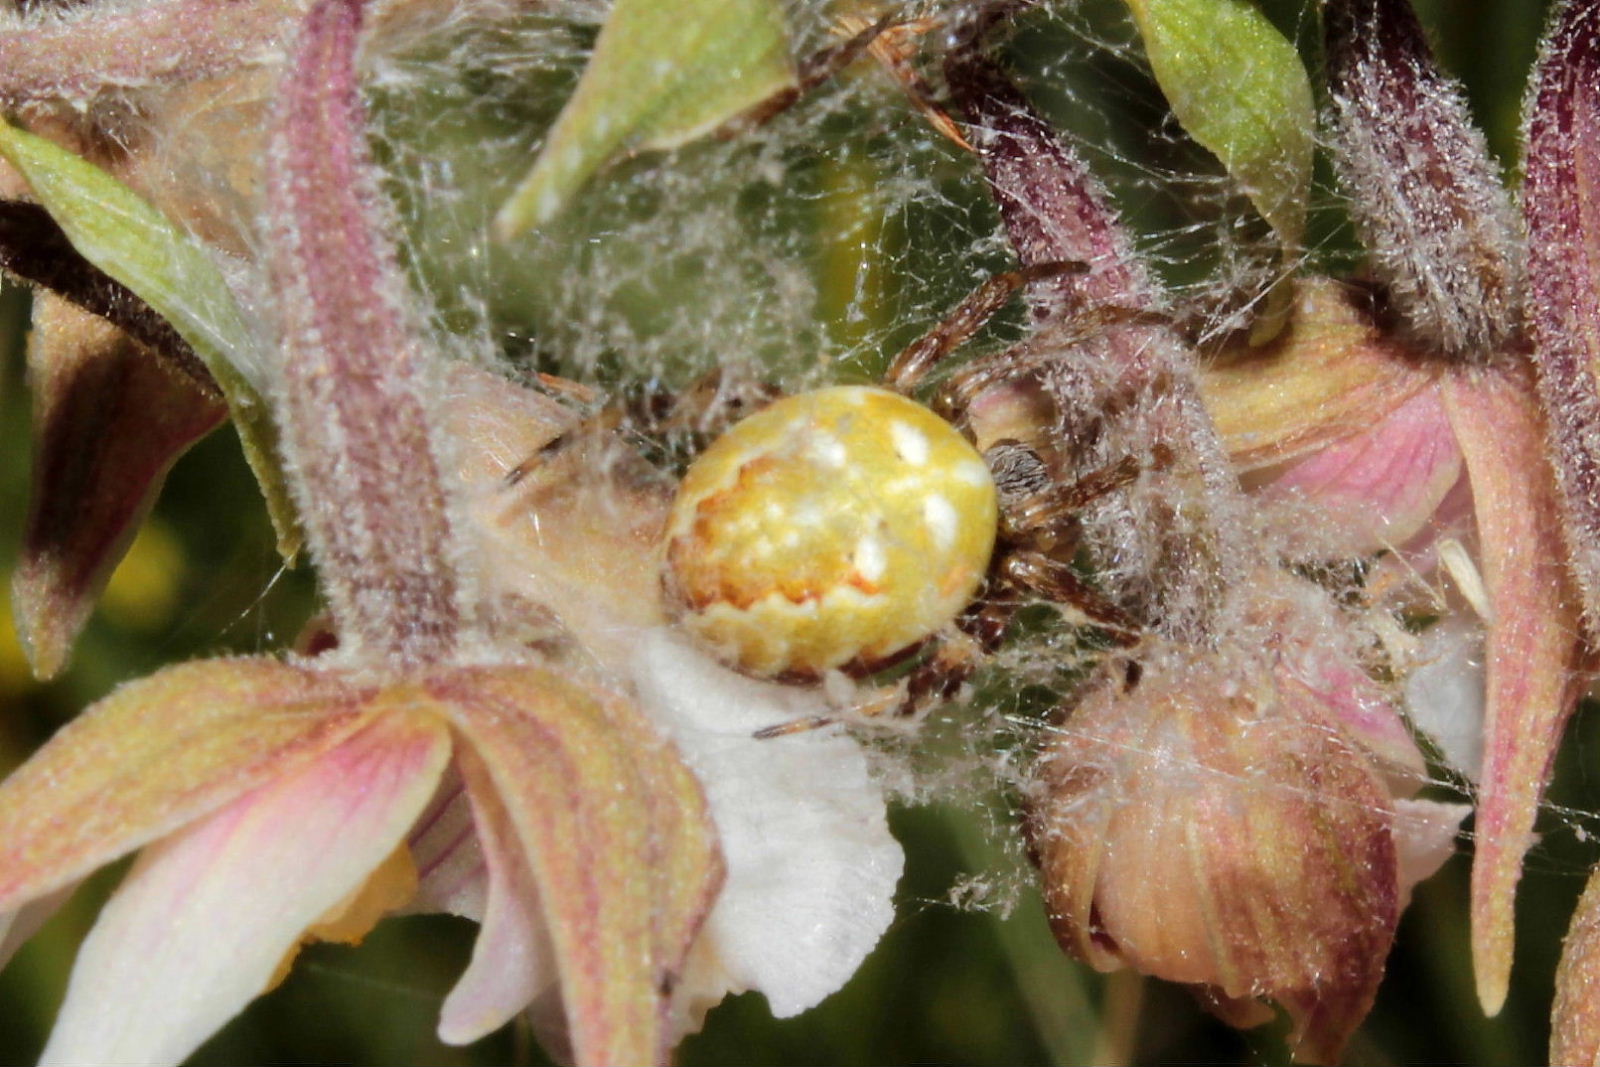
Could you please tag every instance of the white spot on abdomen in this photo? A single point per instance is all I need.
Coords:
(909, 443)
(869, 559)
(941, 519)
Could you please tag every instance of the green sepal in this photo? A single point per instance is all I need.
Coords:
(661, 76)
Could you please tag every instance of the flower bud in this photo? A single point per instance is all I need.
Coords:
(1202, 821)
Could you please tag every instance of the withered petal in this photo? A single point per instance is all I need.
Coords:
(109, 421)
(1212, 828)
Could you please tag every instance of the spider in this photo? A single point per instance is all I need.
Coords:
(847, 528)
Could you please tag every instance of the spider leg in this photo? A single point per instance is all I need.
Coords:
(894, 53)
(969, 316)
(954, 659)
(1058, 504)
(812, 72)
(794, 726)
(1054, 580)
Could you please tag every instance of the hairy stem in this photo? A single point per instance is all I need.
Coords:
(357, 431)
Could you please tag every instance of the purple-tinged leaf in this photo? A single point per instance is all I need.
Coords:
(1425, 193)
(109, 421)
(1561, 206)
(357, 426)
(1054, 209)
(82, 53)
(1119, 379)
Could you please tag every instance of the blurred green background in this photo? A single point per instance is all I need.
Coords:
(947, 984)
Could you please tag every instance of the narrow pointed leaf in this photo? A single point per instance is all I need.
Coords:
(1424, 191)
(661, 75)
(133, 243)
(156, 754)
(205, 917)
(357, 420)
(1054, 209)
(1239, 88)
(615, 830)
(1532, 650)
(109, 421)
(1561, 206)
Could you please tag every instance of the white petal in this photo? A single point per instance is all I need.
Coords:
(512, 959)
(451, 875)
(1445, 693)
(811, 864)
(205, 917)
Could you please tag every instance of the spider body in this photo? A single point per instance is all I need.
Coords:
(833, 529)
(845, 527)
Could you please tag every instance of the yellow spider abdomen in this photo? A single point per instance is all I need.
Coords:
(835, 528)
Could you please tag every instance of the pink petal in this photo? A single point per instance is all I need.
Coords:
(451, 873)
(1532, 647)
(206, 916)
(615, 833)
(1382, 486)
(1350, 697)
(512, 960)
(159, 753)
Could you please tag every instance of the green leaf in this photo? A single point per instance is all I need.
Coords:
(134, 243)
(661, 75)
(1239, 88)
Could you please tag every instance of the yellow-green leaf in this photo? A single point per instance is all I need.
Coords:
(661, 75)
(1239, 88)
(117, 231)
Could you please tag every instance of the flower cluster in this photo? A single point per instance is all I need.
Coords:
(499, 715)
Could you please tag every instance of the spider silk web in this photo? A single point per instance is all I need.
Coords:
(807, 252)
(810, 250)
